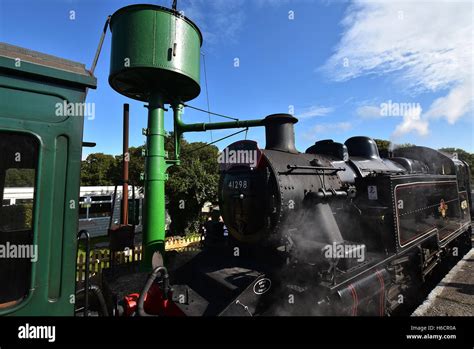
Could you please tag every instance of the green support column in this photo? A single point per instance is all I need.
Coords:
(155, 177)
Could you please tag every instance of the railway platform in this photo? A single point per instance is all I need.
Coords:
(454, 295)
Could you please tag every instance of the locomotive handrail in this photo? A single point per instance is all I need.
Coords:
(87, 271)
(317, 168)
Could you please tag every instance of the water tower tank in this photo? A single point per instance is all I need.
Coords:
(154, 50)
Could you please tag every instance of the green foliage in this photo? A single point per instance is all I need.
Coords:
(20, 177)
(404, 145)
(97, 169)
(463, 155)
(16, 217)
(384, 145)
(136, 166)
(189, 185)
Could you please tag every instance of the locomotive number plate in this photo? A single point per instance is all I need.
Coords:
(238, 184)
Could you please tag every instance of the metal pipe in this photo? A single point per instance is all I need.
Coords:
(318, 168)
(87, 271)
(201, 127)
(158, 271)
(99, 47)
(325, 193)
(155, 177)
(125, 161)
(134, 207)
(180, 127)
(177, 113)
(112, 209)
(99, 296)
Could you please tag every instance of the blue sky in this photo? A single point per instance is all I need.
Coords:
(336, 64)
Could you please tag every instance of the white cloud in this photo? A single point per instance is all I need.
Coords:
(412, 121)
(313, 111)
(369, 112)
(426, 45)
(454, 105)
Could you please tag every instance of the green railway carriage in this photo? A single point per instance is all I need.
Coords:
(41, 126)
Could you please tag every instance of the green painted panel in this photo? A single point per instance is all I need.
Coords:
(50, 110)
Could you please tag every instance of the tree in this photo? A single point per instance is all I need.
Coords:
(136, 166)
(20, 177)
(191, 184)
(96, 169)
(384, 145)
(462, 155)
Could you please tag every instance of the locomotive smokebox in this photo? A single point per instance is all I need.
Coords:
(280, 133)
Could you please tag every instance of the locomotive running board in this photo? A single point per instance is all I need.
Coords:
(247, 303)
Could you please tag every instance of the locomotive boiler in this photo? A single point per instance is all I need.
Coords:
(365, 231)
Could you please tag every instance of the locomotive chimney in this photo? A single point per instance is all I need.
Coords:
(280, 133)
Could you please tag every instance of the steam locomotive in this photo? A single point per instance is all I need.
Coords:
(337, 230)
(358, 233)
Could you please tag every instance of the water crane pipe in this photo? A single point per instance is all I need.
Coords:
(180, 127)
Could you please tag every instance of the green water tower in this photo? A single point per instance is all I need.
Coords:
(155, 50)
(156, 59)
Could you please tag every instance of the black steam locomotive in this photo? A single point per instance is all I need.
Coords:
(358, 233)
(336, 230)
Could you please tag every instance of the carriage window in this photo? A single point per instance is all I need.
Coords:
(18, 165)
